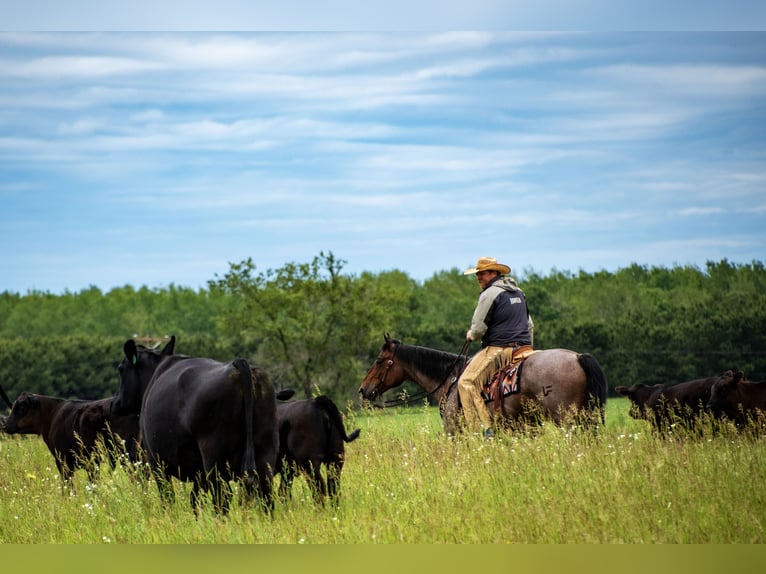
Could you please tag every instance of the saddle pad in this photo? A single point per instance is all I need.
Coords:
(505, 380)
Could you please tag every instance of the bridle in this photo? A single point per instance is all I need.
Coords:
(389, 364)
(406, 400)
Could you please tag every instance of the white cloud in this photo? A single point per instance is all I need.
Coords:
(596, 150)
(69, 67)
(700, 211)
(695, 80)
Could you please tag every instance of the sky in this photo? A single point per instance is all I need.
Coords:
(151, 151)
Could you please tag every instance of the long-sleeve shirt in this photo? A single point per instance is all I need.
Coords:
(501, 317)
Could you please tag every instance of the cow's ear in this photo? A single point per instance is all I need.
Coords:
(131, 352)
(621, 391)
(738, 376)
(170, 347)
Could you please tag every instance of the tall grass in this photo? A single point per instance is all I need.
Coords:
(406, 482)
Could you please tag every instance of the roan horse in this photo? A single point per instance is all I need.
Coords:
(553, 383)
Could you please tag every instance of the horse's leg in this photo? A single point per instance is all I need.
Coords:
(449, 409)
(522, 413)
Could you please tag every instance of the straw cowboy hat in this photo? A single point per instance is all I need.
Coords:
(488, 264)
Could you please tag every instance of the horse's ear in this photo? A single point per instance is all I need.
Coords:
(387, 338)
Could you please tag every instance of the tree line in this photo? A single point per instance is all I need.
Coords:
(317, 329)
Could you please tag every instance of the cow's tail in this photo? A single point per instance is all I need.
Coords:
(596, 384)
(335, 417)
(246, 380)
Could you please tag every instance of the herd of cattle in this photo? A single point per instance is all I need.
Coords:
(195, 419)
(726, 395)
(209, 423)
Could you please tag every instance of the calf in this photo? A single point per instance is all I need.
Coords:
(684, 402)
(738, 399)
(311, 433)
(119, 432)
(643, 399)
(666, 405)
(71, 429)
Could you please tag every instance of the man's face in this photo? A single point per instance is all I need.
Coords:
(485, 277)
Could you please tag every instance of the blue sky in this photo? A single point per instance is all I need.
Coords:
(150, 158)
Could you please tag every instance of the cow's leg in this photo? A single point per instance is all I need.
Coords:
(194, 496)
(221, 493)
(314, 474)
(219, 489)
(66, 472)
(265, 478)
(164, 484)
(334, 470)
(286, 477)
(91, 464)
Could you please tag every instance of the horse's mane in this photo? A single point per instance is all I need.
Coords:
(434, 363)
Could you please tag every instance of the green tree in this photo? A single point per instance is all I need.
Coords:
(308, 323)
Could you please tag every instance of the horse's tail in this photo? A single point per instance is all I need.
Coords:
(337, 420)
(596, 385)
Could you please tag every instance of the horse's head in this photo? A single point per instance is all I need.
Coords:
(385, 373)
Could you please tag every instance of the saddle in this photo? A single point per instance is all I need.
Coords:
(505, 382)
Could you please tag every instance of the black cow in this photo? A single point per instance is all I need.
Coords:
(72, 428)
(201, 421)
(738, 399)
(119, 432)
(643, 399)
(311, 433)
(680, 403)
(685, 403)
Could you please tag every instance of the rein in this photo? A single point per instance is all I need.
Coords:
(422, 394)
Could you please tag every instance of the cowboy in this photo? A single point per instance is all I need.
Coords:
(502, 321)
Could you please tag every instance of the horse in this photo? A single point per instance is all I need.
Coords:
(557, 384)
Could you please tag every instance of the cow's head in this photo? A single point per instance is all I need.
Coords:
(135, 371)
(25, 415)
(641, 396)
(723, 393)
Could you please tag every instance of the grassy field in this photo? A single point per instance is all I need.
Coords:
(406, 482)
